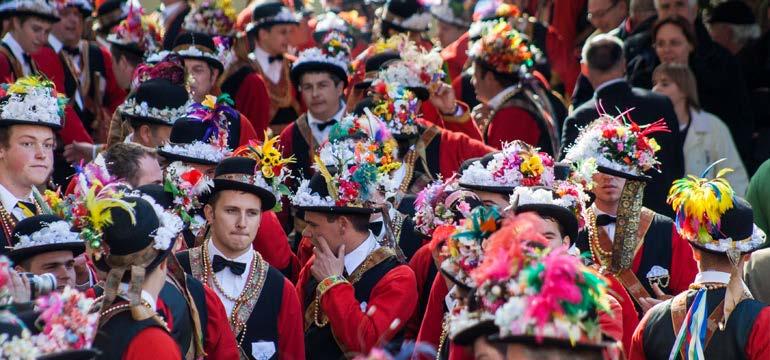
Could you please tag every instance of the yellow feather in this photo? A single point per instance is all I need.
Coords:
(328, 177)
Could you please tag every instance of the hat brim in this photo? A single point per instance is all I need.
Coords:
(504, 190)
(82, 354)
(545, 341)
(468, 335)
(9, 122)
(620, 174)
(267, 197)
(699, 246)
(462, 286)
(251, 28)
(171, 157)
(213, 62)
(317, 66)
(18, 256)
(144, 119)
(131, 48)
(421, 93)
(46, 17)
(337, 210)
(563, 215)
(102, 265)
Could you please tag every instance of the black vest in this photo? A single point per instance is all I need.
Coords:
(729, 344)
(320, 342)
(114, 336)
(262, 325)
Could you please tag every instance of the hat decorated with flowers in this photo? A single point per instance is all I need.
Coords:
(199, 46)
(269, 13)
(494, 10)
(619, 146)
(202, 135)
(44, 9)
(383, 52)
(398, 107)
(84, 6)
(185, 184)
(565, 202)
(712, 217)
(156, 101)
(43, 233)
(463, 247)
(420, 71)
(505, 51)
(442, 203)
(136, 33)
(110, 13)
(517, 164)
(257, 168)
(455, 12)
(405, 15)
(331, 21)
(31, 100)
(212, 17)
(332, 56)
(360, 138)
(357, 184)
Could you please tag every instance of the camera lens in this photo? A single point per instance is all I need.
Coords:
(40, 285)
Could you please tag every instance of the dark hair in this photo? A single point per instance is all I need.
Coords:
(122, 160)
(118, 53)
(5, 136)
(360, 221)
(335, 79)
(683, 24)
(505, 80)
(562, 232)
(603, 53)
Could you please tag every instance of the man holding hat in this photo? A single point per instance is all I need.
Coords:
(262, 305)
(717, 316)
(635, 244)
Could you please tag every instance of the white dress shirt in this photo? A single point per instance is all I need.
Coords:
(18, 53)
(272, 70)
(123, 291)
(497, 101)
(229, 282)
(10, 201)
(57, 47)
(610, 229)
(321, 136)
(712, 276)
(355, 258)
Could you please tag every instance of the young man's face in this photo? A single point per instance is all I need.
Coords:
(69, 29)
(32, 34)
(203, 78)
(59, 263)
(234, 218)
(319, 227)
(123, 70)
(275, 40)
(480, 81)
(669, 8)
(549, 228)
(149, 171)
(607, 188)
(27, 160)
(152, 136)
(492, 199)
(321, 94)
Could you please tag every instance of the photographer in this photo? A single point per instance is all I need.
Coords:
(45, 246)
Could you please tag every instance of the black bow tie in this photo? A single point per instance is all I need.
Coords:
(74, 51)
(221, 263)
(272, 59)
(604, 220)
(323, 126)
(375, 227)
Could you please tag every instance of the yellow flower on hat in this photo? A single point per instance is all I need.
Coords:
(210, 101)
(533, 165)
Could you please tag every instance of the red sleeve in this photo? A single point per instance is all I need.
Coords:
(430, 330)
(611, 322)
(253, 102)
(220, 342)
(560, 42)
(152, 341)
(6, 73)
(420, 263)
(637, 340)
(291, 338)
(273, 244)
(391, 302)
(73, 129)
(463, 123)
(457, 86)
(512, 123)
(456, 148)
(430, 114)
(758, 346)
(629, 315)
(247, 132)
(683, 265)
(113, 94)
(455, 55)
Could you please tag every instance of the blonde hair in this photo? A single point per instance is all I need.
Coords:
(682, 76)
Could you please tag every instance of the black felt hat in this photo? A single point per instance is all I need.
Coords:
(374, 64)
(165, 102)
(301, 67)
(399, 13)
(481, 327)
(734, 12)
(43, 233)
(565, 216)
(198, 46)
(159, 194)
(737, 225)
(44, 9)
(270, 13)
(318, 186)
(187, 133)
(505, 190)
(622, 174)
(109, 14)
(237, 173)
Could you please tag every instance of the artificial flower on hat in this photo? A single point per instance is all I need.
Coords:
(618, 144)
(216, 113)
(332, 55)
(419, 70)
(271, 171)
(495, 9)
(516, 164)
(186, 184)
(397, 106)
(212, 17)
(564, 193)
(505, 50)
(32, 100)
(356, 137)
(136, 32)
(440, 203)
(463, 248)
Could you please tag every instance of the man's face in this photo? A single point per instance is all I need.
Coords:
(483, 350)
(32, 34)
(549, 228)
(123, 70)
(492, 199)
(234, 220)
(149, 172)
(28, 159)
(69, 29)
(722, 34)
(448, 33)
(320, 94)
(59, 263)
(276, 39)
(203, 78)
(606, 15)
(480, 81)
(152, 136)
(607, 188)
(206, 169)
(668, 8)
(319, 227)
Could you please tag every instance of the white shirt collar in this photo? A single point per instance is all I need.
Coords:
(496, 101)
(9, 200)
(608, 83)
(337, 116)
(243, 258)
(16, 49)
(55, 43)
(166, 11)
(711, 276)
(123, 290)
(354, 258)
(261, 55)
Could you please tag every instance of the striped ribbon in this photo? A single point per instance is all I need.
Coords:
(692, 336)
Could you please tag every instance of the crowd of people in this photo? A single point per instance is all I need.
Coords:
(385, 179)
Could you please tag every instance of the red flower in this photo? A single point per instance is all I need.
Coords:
(381, 88)
(192, 176)
(609, 133)
(424, 78)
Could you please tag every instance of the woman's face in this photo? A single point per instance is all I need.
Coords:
(672, 46)
(664, 85)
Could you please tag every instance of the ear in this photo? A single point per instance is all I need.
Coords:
(566, 241)
(145, 134)
(208, 213)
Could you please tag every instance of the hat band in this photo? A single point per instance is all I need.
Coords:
(756, 239)
(183, 47)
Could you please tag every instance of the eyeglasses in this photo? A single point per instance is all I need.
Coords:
(602, 13)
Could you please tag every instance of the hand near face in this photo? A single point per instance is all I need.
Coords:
(326, 263)
(444, 99)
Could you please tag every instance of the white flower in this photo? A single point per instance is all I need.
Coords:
(54, 233)
(37, 105)
(170, 225)
(198, 150)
